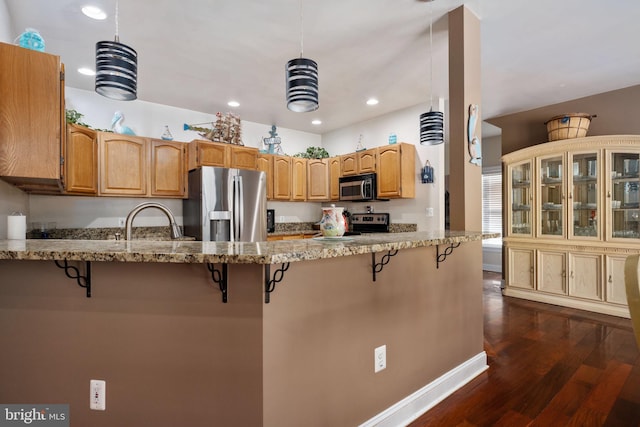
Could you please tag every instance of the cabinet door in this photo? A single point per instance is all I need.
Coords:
(243, 157)
(281, 178)
(584, 196)
(167, 169)
(123, 164)
(521, 268)
(389, 171)
(366, 161)
(623, 196)
(520, 199)
(318, 179)
(614, 278)
(81, 161)
(265, 164)
(334, 177)
(552, 274)
(551, 197)
(203, 153)
(585, 276)
(348, 164)
(31, 116)
(298, 179)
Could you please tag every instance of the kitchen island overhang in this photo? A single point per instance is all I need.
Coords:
(304, 358)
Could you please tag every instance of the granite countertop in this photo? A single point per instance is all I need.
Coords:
(274, 252)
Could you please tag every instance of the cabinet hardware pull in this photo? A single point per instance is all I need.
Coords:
(571, 275)
(609, 193)
(610, 279)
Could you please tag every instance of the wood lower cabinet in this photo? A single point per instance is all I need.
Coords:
(318, 180)
(615, 291)
(552, 272)
(167, 169)
(585, 276)
(397, 171)
(136, 166)
(81, 161)
(521, 268)
(32, 119)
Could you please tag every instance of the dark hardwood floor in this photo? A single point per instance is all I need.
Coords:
(548, 366)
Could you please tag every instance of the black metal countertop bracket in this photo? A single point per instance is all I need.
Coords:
(219, 277)
(72, 272)
(269, 283)
(448, 251)
(377, 267)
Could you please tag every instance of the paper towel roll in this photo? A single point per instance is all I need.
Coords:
(16, 227)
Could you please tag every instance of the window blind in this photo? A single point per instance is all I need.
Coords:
(492, 205)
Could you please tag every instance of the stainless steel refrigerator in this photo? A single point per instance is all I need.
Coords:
(226, 205)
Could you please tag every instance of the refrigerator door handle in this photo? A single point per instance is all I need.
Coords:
(238, 207)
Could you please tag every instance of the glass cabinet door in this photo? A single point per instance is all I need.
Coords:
(584, 194)
(521, 199)
(623, 194)
(551, 197)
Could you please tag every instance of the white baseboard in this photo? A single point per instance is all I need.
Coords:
(416, 404)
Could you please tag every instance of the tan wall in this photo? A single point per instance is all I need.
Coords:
(617, 114)
(327, 317)
(173, 355)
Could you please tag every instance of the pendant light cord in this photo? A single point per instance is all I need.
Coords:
(301, 31)
(431, 56)
(117, 37)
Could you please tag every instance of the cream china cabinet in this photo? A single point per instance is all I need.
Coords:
(572, 216)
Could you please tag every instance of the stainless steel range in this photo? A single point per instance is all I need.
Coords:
(369, 223)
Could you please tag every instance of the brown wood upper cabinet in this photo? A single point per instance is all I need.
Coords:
(167, 169)
(281, 178)
(209, 153)
(334, 178)
(396, 171)
(136, 166)
(298, 179)
(358, 162)
(318, 179)
(81, 161)
(31, 119)
(265, 164)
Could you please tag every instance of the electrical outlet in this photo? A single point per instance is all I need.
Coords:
(98, 395)
(380, 358)
(121, 222)
(429, 211)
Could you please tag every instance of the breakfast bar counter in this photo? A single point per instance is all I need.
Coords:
(226, 252)
(293, 344)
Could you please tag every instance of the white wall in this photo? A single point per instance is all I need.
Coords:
(405, 123)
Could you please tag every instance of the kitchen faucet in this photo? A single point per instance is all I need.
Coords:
(175, 230)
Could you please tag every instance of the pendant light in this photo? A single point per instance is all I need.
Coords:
(116, 69)
(302, 80)
(432, 122)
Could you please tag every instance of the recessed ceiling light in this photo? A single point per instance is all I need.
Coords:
(316, 122)
(233, 104)
(372, 101)
(94, 12)
(86, 71)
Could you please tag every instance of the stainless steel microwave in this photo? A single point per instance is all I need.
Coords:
(358, 188)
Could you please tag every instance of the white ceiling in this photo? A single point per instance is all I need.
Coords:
(199, 54)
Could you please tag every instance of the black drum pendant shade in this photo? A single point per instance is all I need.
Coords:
(116, 70)
(302, 85)
(432, 128)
